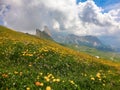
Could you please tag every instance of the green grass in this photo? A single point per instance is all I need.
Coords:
(114, 56)
(30, 63)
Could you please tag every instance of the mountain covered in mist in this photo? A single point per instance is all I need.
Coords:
(88, 40)
(72, 39)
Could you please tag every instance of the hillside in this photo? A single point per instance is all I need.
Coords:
(114, 56)
(30, 63)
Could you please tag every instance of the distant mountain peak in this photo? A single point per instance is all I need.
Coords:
(89, 40)
(45, 34)
(47, 31)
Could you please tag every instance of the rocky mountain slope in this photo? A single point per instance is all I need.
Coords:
(90, 41)
(45, 34)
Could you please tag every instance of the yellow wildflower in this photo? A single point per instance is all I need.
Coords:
(58, 80)
(27, 88)
(41, 84)
(29, 65)
(99, 79)
(98, 75)
(109, 71)
(49, 75)
(41, 74)
(30, 55)
(48, 88)
(103, 84)
(52, 77)
(72, 82)
(46, 78)
(92, 78)
(85, 74)
(15, 72)
(54, 80)
(21, 73)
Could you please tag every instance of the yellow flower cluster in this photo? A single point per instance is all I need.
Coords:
(47, 78)
(73, 83)
(39, 83)
(53, 49)
(18, 73)
(50, 77)
(56, 80)
(27, 53)
(98, 75)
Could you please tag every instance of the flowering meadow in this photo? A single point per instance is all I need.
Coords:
(31, 63)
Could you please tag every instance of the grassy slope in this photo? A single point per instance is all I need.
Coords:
(27, 62)
(94, 52)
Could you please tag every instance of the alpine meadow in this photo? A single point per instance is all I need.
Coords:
(59, 44)
(28, 62)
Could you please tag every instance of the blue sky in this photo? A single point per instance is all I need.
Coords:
(102, 3)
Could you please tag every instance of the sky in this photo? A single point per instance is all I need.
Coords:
(82, 17)
(102, 3)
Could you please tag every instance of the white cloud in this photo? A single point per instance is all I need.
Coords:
(95, 21)
(115, 14)
(56, 25)
(31, 14)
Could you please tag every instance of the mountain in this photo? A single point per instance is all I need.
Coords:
(90, 41)
(45, 34)
(31, 63)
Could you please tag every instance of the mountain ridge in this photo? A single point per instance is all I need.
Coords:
(88, 40)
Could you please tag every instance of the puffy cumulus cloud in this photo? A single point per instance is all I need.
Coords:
(95, 21)
(115, 13)
(85, 18)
